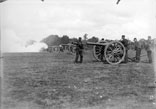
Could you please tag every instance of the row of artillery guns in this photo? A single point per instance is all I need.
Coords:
(62, 48)
(112, 52)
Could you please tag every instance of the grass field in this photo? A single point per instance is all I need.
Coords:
(53, 81)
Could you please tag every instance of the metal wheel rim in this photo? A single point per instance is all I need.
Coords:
(115, 52)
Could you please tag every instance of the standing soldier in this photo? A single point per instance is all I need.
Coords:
(102, 49)
(61, 48)
(79, 50)
(124, 41)
(137, 47)
(148, 49)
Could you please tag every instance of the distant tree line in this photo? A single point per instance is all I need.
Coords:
(53, 40)
(2, 1)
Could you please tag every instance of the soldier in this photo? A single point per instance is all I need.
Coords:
(102, 49)
(148, 49)
(137, 47)
(61, 48)
(102, 41)
(124, 41)
(79, 51)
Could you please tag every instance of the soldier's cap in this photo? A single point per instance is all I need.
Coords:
(123, 35)
(149, 36)
(79, 38)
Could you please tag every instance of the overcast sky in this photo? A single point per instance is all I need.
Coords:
(22, 20)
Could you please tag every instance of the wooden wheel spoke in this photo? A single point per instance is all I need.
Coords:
(110, 49)
(110, 57)
(109, 52)
(97, 52)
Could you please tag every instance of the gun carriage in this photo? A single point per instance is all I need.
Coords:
(53, 49)
(68, 47)
(114, 51)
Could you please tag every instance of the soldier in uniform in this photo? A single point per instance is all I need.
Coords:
(137, 47)
(102, 49)
(148, 49)
(124, 41)
(79, 50)
(61, 48)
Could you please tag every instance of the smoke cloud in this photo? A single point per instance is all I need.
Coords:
(35, 47)
(14, 43)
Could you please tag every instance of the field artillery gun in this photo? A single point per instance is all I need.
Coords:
(68, 47)
(114, 51)
(52, 49)
(61, 48)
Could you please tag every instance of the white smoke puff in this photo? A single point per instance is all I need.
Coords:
(11, 42)
(36, 47)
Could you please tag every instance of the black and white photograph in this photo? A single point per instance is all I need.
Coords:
(77, 54)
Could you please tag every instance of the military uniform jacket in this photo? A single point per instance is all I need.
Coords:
(125, 43)
(148, 45)
(79, 46)
(137, 45)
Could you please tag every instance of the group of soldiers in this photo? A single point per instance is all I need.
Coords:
(125, 42)
(138, 47)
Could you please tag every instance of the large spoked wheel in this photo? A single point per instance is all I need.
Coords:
(97, 52)
(114, 52)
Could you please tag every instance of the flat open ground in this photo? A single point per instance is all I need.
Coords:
(53, 81)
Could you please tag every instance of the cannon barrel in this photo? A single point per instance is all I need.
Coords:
(97, 43)
(92, 43)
